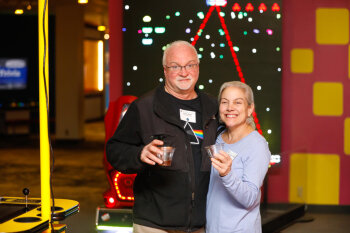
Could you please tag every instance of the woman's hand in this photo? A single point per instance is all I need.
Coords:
(222, 163)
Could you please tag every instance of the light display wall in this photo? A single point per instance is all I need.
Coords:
(235, 40)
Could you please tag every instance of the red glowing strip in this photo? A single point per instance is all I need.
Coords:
(118, 191)
(228, 38)
(205, 20)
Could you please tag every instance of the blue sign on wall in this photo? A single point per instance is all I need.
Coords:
(13, 74)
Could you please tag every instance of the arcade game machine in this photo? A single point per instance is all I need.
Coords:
(116, 216)
(38, 215)
(23, 214)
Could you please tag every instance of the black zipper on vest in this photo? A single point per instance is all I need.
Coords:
(192, 187)
(190, 211)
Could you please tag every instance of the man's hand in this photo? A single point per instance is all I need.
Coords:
(150, 151)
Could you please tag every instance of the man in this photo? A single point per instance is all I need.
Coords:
(168, 199)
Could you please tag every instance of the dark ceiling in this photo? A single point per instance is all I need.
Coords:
(96, 11)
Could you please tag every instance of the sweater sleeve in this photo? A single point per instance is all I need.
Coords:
(246, 189)
(123, 149)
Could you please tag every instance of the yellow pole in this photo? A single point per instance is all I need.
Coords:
(43, 111)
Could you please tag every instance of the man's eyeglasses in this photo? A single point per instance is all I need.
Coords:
(188, 68)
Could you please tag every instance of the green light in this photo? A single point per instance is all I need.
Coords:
(163, 48)
(200, 56)
(167, 17)
(201, 49)
(159, 30)
(177, 13)
(222, 14)
(245, 14)
(200, 15)
(147, 41)
(221, 56)
(147, 29)
(201, 87)
(278, 49)
(235, 48)
(245, 33)
(222, 45)
(221, 32)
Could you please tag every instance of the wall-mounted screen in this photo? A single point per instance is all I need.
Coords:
(13, 73)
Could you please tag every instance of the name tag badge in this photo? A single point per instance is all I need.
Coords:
(189, 116)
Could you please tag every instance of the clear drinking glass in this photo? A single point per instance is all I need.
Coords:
(167, 156)
(214, 149)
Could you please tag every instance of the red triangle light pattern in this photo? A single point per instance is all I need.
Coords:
(230, 44)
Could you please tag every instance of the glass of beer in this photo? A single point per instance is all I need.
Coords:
(167, 155)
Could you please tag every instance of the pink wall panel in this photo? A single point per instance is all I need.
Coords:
(301, 130)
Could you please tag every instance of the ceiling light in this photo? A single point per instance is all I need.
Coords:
(18, 11)
(101, 28)
(83, 1)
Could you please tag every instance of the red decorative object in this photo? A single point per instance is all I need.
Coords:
(275, 7)
(233, 53)
(249, 7)
(236, 7)
(262, 7)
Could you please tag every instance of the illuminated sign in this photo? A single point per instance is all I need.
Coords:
(216, 2)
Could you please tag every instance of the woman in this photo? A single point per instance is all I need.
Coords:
(234, 190)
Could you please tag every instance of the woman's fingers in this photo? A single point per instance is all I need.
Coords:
(222, 163)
